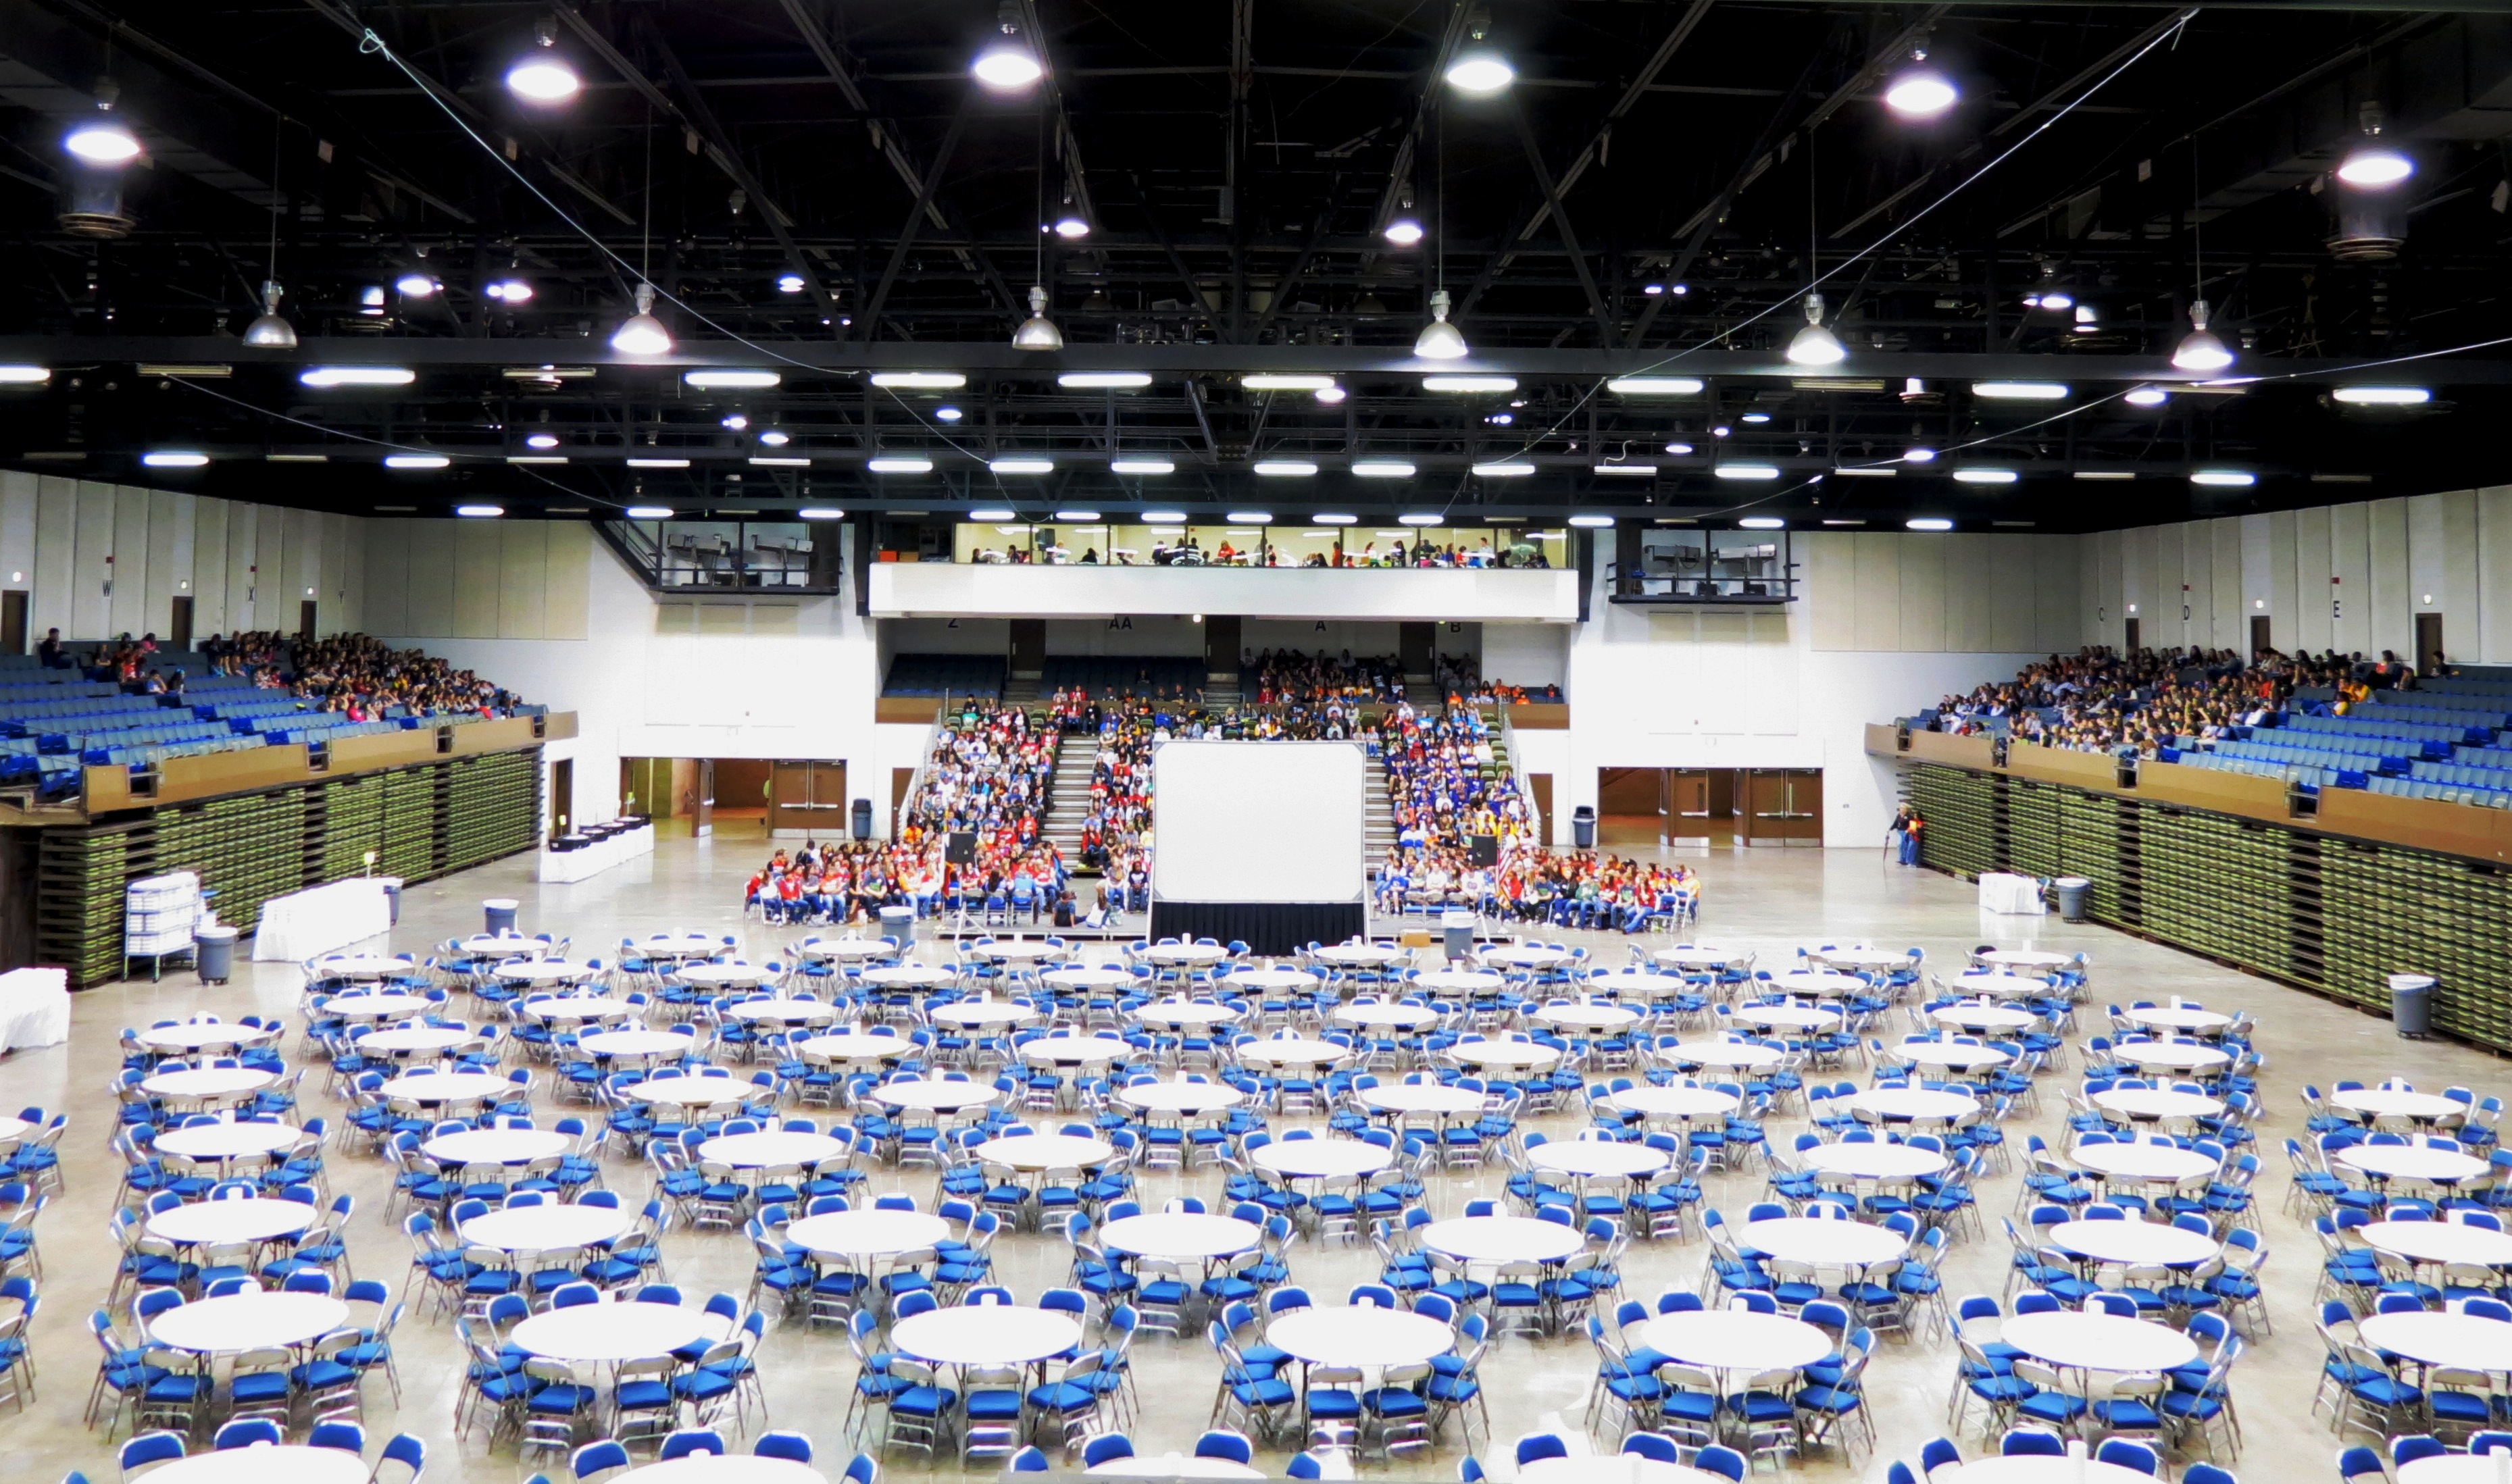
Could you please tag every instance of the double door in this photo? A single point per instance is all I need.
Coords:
(1711, 806)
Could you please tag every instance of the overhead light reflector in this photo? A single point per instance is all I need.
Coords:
(1251, 517)
(1419, 520)
(1164, 517)
(1336, 520)
(1075, 517)
(658, 463)
(1480, 72)
(480, 512)
(992, 514)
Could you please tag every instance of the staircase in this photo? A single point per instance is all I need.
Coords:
(1020, 690)
(1068, 800)
(1379, 830)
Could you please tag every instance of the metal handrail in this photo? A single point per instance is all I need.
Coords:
(924, 761)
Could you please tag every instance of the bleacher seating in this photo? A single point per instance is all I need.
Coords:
(937, 675)
(1109, 674)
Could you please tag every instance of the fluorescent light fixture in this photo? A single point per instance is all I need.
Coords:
(1763, 522)
(2146, 395)
(2020, 391)
(1141, 466)
(2106, 474)
(1631, 469)
(1867, 471)
(25, 375)
(658, 463)
(1591, 521)
(537, 459)
(1249, 517)
(2225, 478)
(1337, 520)
(899, 463)
(1985, 476)
(1381, 468)
(166, 459)
(1460, 383)
(1655, 386)
(480, 512)
(1507, 468)
(733, 381)
(357, 376)
(1164, 517)
(1927, 523)
(1419, 520)
(820, 513)
(1746, 471)
(649, 512)
(1844, 522)
(1075, 517)
(1022, 464)
(1091, 380)
(768, 461)
(921, 381)
(296, 458)
(2381, 396)
(1285, 468)
(415, 460)
(990, 514)
(1285, 381)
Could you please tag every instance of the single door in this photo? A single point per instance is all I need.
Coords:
(1687, 805)
(900, 778)
(1028, 646)
(1540, 785)
(1418, 642)
(305, 620)
(1221, 641)
(2132, 644)
(1725, 800)
(13, 621)
(2429, 657)
(561, 795)
(701, 803)
(2259, 635)
(178, 625)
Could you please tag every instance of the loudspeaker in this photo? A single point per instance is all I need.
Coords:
(960, 850)
(1482, 849)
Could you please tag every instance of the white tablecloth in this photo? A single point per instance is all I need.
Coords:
(2003, 891)
(34, 1008)
(598, 856)
(305, 923)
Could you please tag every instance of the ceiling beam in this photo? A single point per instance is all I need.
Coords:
(1400, 172)
(1642, 86)
(925, 193)
(1561, 223)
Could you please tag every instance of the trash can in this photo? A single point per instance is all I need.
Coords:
(500, 913)
(1583, 828)
(863, 819)
(1457, 928)
(2072, 891)
(392, 897)
(899, 923)
(2411, 1005)
(213, 954)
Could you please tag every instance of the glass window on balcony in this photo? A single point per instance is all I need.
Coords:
(735, 553)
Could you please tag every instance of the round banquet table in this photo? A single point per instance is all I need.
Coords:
(1045, 1151)
(266, 1463)
(2184, 1018)
(1819, 984)
(781, 1011)
(10, 1128)
(449, 1086)
(637, 1044)
(1737, 1340)
(2418, 1241)
(747, 1152)
(716, 1469)
(977, 1014)
(539, 971)
(1587, 1017)
(684, 945)
(201, 1035)
(252, 1220)
(1180, 1235)
(2173, 1056)
(1321, 1158)
(2395, 1102)
(936, 1096)
(1827, 1243)
(910, 976)
(205, 1083)
(362, 967)
(562, 1010)
(1172, 1466)
(842, 950)
(376, 1007)
(2456, 1340)
(690, 1091)
(856, 1046)
(1502, 1239)
(1272, 979)
(1596, 1158)
(1353, 956)
(1983, 1017)
(857, 1235)
(1674, 1102)
(1422, 1098)
(2410, 1161)
(2143, 1244)
(2157, 1103)
(2142, 1161)
(1732, 1054)
(228, 1140)
(1699, 956)
(248, 1321)
(1380, 1015)
(613, 1331)
(1861, 958)
(1612, 1469)
(409, 1040)
(1998, 986)
(2041, 1469)
(495, 1145)
(721, 976)
(2026, 958)
(1072, 1050)
(1014, 950)
(986, 1334)
(1953, 1055)
(1914, 1103)
(1180, 1097)
(1457, 982)
(1505, 1056)
(1861, 1160)
(1085, 980)
(1525, 956)
(502, 946)
(1177, 954)
(1638, 982)
(2098, 1341)
(547, 1228)
(2450, 1469)
(1291, 1051)
(1786, 1017)
(1369, 1338)
(1182, 1013)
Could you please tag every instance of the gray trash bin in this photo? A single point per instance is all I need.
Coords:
(392, 897)
(1583, 828)
(2072, 893)
(862, 819)
(213, 954)
(2411, 1005)
(899, 923)
(1457, 930)
(500, 913)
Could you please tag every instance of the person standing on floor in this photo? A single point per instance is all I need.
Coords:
(1904, 837)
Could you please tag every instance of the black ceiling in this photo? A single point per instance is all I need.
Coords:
(1235, 162)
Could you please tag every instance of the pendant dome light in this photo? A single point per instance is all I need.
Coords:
(1439, 340)
(104, 142)
(542, 78)
(1815, 345)
(641, 333)
(2372, 166)
(270, 332)
(1038, 332)
(1007, 64)
(2200, 350)
(1919, 91)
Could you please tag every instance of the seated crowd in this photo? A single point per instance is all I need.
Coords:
(2101, 700)
(353, 674)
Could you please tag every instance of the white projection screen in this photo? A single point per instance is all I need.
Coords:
(1259, 822)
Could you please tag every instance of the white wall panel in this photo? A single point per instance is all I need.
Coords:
(166, 510)
(18, 501)
(209, 568)
(2350, 563)
(2311, 573)
(56, 510)
(2459, 598)
(2391, 602)
(1923, 592)
(570, 549)
(1830, 595)
(1878, 590)
(91, 590)
(1967, 554)
(2494, 575)
(2232, 609)
(127, 612)
(244, 569)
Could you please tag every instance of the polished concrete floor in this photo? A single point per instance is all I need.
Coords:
(1770, 901)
